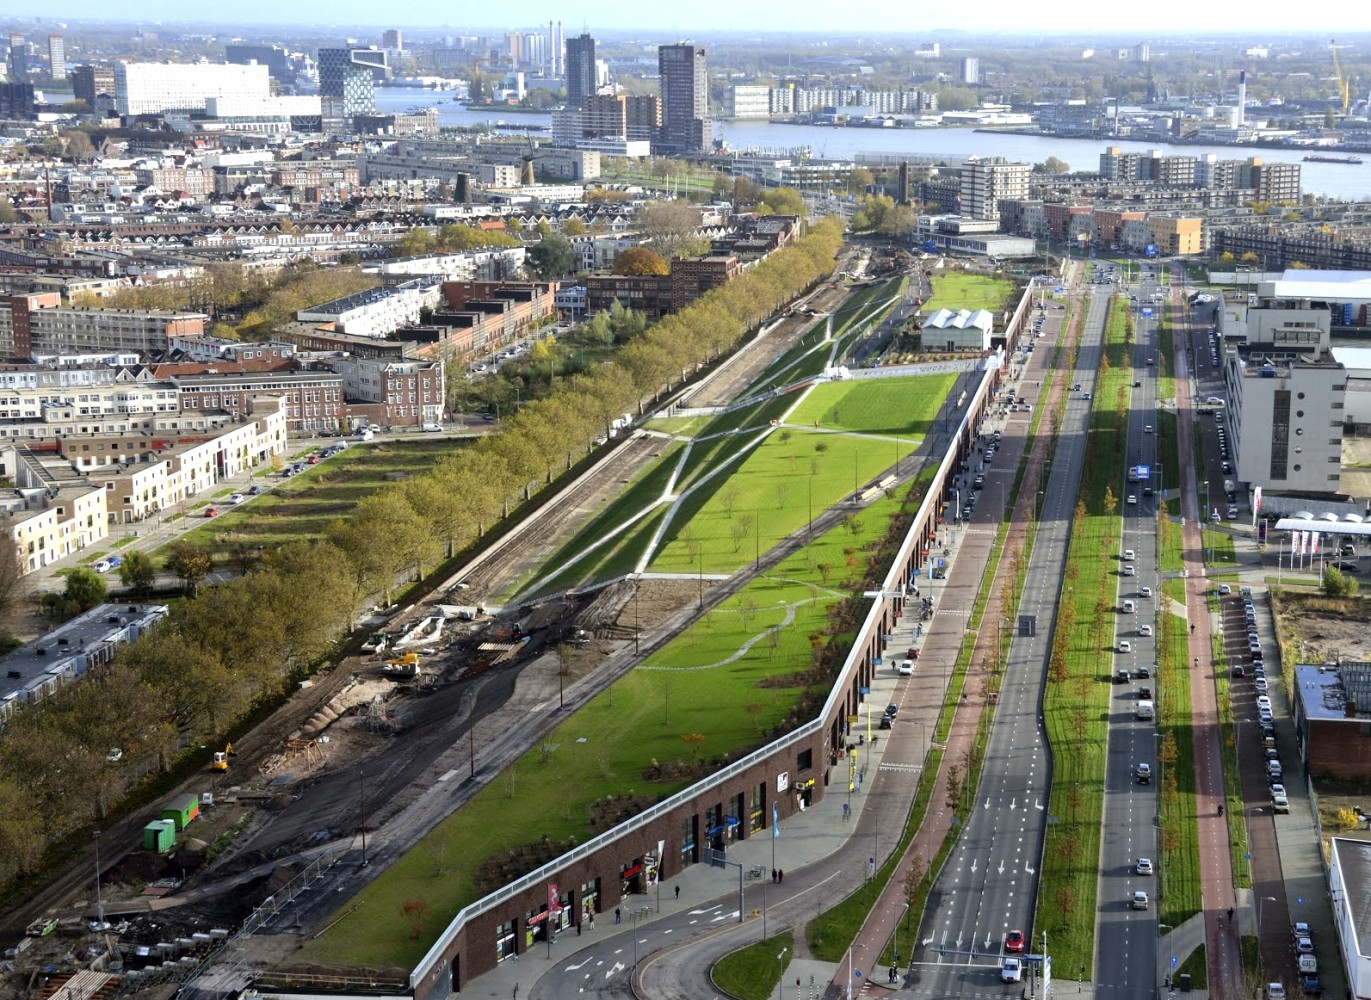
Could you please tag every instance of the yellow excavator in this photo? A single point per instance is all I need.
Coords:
(221, 758)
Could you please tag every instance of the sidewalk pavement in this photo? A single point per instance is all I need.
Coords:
(890, 768)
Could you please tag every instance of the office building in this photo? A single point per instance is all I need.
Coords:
(18, 57)
(985, 183)
(346, 80)
(273, 57)
(393, 38)
(685, 98)
(971, 70)
(1142, 52)
(637, 117)
(16, 100)
(156, 88)
(580, 70)
(57, 57)
(88, 82)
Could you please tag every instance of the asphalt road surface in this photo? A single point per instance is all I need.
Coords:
(989, 885)
(1126, 938)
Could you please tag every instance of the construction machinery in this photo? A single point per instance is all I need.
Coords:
(1344, 96)
(221, 758)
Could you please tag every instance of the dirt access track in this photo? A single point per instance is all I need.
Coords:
(296, 791)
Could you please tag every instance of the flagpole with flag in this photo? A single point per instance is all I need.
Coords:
(775, 831)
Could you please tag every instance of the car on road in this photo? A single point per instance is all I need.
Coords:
(1144, 773)
(886, 722)
(892, 710)
(1132, 498)
(1280, 802)
(257, 490)
(1013, 941)
(1144, 591)
(1147, 428)
(1144, 866)
(1311, 985)
(1275, 991)
(906, 668)
(1225, 590)
(1144, 693)
(1011, 971)
(237, 497)
(1144, 629)
(211, 512)
(1139, 900)
(1129, 570)
(1125, 646)
(1263, 701)
(1261, 685)
(1347, 567)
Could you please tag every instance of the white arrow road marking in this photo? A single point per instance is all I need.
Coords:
(582, 965)
(616, 967)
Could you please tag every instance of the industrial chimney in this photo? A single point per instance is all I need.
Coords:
(1242, 98)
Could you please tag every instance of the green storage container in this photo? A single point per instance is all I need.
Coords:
(159, 836)
(182, 810)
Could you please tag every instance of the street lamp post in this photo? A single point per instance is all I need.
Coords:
(849, 966)
(780, 974)
(99, 899)
(895, 946)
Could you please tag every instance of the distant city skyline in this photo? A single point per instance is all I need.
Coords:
(1163, 18)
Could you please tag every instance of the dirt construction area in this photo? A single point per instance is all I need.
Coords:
(1317, 629)
(389, 742)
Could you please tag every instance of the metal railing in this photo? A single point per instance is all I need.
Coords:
(872, 628)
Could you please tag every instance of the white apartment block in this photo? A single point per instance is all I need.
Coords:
(495, 264)
(377, 312)
(238, 106)
(155, 88)
(1287, 422)
(66, 520)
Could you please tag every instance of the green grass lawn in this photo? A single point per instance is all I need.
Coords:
(876, 406)
(685, 426)
(728, 679)
(1178, 867)
(955, 290)
(771, 494)
(752, 973)
(301, 507)
(1079, 695)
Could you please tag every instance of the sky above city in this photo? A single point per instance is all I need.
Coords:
(1158, 19)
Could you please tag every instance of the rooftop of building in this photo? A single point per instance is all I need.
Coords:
(1353, 859)
(71, 641)
(1337, 286)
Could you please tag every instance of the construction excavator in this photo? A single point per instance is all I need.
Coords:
(221, 758)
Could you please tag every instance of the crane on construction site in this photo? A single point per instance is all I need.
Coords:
(1344, 96)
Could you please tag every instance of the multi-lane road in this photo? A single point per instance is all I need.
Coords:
(989, 885)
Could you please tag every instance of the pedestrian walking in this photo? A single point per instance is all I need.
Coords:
(678, 892)
(773, 875)
(618, 917)
(780, 875)
(592, 919)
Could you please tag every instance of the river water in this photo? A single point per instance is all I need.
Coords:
(1351, 182)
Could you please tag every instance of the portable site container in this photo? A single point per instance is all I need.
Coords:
(182, 810)
(159, 836)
